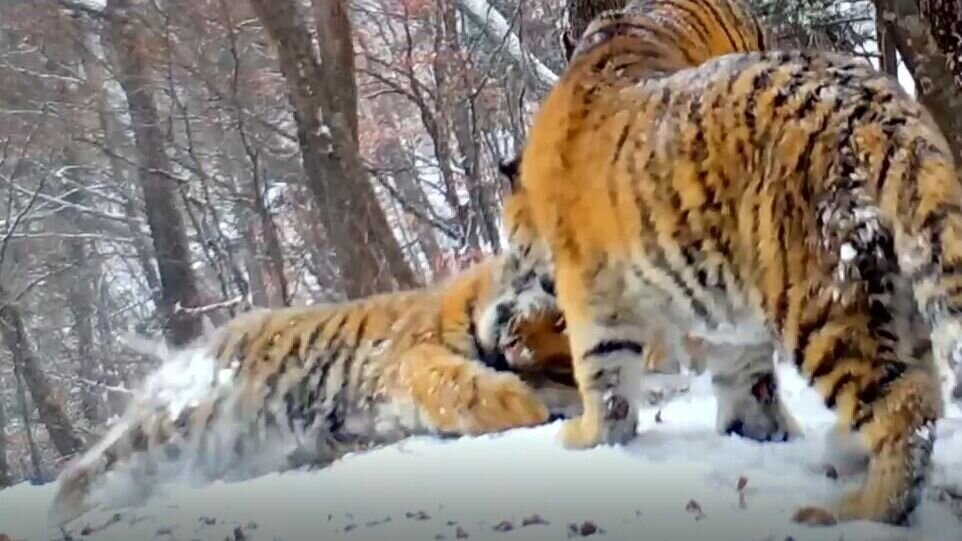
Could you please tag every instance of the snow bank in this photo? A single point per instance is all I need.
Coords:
(486, 487)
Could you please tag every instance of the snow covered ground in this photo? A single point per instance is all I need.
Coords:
(485, 488)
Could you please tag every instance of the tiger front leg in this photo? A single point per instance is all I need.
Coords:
(459, 396)
(608, 347)
(746, 392)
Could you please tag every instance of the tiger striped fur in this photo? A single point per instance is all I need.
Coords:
(778, 200)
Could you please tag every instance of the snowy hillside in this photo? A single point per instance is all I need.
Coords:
(492, 487)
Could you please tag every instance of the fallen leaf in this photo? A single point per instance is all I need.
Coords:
(814, 516)
(693, 507)
(742, 483)
(532, 520)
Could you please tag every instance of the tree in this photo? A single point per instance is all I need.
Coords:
(5, 477)
(15, 337)
(930, 42)
(323, 96)
(178, 284)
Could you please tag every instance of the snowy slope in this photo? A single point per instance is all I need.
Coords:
(426, 489)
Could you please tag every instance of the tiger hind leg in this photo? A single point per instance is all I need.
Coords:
(460, 396)
(746, 392)
(890, 402)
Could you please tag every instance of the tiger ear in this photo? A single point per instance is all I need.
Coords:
(510, 170)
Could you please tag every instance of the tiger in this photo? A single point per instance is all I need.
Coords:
(338, 378)
(773, 201)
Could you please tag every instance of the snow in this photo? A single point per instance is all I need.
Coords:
(429, 488)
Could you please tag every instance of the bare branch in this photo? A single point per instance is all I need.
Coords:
(197, 310)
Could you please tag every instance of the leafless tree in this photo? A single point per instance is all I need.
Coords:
(178, 284)
(928, 35)
(324, 99)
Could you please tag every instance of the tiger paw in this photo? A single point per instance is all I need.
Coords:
(760, 422)
(583, 432)
(776, 433)
(506, 402)
(574, 434)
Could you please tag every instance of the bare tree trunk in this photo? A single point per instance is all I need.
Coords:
(268, 282)
(886, 44)
(391, 153)
(80, 297)
(275, 279)
(80, 290)
(255, 269)
(930, 59)
(32, 449)
(324, 101)
(5, 478)
(52, 415)
(334, 36)
(178, 285)
(111, 372)
(461, 99)
(91, 47)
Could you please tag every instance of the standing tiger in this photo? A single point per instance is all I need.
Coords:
(788, 201)
(320, 381)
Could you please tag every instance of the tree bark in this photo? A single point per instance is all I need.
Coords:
(52, 415)
(178, 284)
(368, 256)
(930, 60)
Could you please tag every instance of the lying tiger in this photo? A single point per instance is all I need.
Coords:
(335, 378)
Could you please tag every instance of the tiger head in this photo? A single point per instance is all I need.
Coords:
(525, 297)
